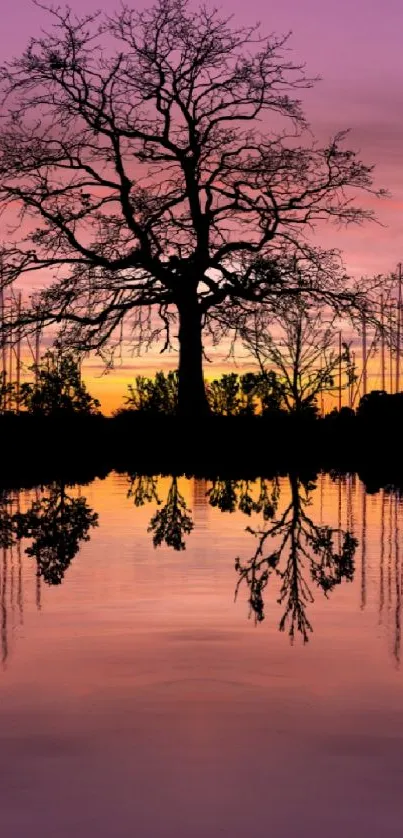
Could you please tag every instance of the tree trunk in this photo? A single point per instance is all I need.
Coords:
(192, 399)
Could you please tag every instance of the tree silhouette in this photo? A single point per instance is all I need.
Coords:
(58, 386)
(154, 395)
(175, 174)
(7, 393)
(224, 396)
(301, 547)
(244, 395)
(56, 523)
(299, 342)
(229, 395)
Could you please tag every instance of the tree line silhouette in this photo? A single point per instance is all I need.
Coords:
(59, 390)
(262, 394)
(57, 387)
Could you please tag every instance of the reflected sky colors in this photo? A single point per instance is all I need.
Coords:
(138, 698)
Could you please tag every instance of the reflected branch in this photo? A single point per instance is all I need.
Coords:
(302, 547)
(143, 489)
(172, 521)
(231, 495)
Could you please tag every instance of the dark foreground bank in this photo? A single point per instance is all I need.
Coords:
(39, 449)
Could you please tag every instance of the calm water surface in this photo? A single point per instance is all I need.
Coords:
(139, 698)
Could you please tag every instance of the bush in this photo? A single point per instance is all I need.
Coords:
(154, 395)
(58, 387)
(231, 395)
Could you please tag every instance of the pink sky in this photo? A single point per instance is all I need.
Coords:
(355, 46)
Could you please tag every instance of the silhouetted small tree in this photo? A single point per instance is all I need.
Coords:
(300, 344)
(154, 395)
(244, 395)
(58, 387)
(267, 393)
(381, 408)
(224, 395)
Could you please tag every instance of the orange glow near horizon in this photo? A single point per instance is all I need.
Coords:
(111, 387)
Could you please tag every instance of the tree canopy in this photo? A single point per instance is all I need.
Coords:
(159, 160)
(299, 345)
(58, 387)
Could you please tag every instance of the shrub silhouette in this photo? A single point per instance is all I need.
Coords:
(231, 395)
(154, 395)
(58, 387)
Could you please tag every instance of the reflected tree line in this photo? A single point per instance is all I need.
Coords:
(293, 554)
(302, 554)
(172, 520)
(55, 523)
(288, 547)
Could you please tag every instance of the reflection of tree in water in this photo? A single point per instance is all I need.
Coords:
(56, 524)
(6, 542)
(6, 521)
(230, 495)
(172, 521)
(293, 548)
(301, 548)
(143, 489)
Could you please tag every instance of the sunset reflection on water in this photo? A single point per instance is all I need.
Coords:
(138, 698)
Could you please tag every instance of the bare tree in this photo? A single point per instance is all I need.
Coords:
(172, 172)
(299, 343)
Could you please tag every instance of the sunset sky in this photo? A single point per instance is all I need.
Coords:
(355, 46)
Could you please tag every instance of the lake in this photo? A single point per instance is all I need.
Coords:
(189, 658)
